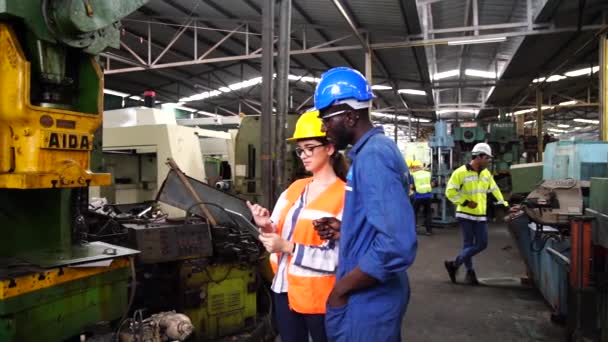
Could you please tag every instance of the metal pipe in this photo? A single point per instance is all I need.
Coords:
(282, 92)
(350, 23)
(396, 127)
(267, 99)
(539, 123)
(409, 127)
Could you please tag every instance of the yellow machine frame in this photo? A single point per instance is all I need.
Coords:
(41, 147)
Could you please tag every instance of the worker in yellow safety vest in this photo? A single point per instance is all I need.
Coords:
(421, 185)
(468, 188)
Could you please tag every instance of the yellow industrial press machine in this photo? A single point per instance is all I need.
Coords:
(54, 284)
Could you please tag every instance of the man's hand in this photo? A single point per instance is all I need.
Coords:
(276, 244)
(328, 228)
(472, 204)
(336, 299)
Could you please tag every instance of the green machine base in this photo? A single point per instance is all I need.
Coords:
(57, 311)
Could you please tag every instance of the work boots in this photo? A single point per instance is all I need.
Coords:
(471, 278)
(452, 269)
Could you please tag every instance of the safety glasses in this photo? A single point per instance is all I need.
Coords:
(307, 150)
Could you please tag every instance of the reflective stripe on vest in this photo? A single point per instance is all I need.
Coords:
(308, 289)
(422, 181)
(471, 186)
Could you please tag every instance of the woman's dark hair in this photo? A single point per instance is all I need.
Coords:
(338, 162)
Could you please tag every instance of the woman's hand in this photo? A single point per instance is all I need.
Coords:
(276, 244)
(261, 216)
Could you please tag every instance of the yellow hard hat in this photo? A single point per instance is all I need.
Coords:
(416, 163)
(409, 162)
(308, 126)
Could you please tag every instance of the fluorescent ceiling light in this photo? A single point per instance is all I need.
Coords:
(480, 73)
(457, 110)
(567, 103)
(596, 122)
(186, 109)
(573, 73)
(577, 128)
(381, 87)
(411, 91)
(582, 72)
(555, 78)
(490, 92)
(477, 41)
(552, 78)
(392, 116)
(446, 74)
(556, 130)
(115, 93)
(310, 79)
(563, 126)
(170, 105)
(529, 122)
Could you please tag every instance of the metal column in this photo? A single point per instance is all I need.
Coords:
(539, 123)
(603, 87)
(409, 119)
(368, 72)
(266, 115)
(396, 128)
(282, 92)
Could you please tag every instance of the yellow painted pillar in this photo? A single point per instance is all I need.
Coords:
(603, 75)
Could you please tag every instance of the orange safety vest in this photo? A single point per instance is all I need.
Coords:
(308, 289)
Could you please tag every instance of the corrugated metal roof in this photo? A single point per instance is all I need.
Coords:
(384, 20)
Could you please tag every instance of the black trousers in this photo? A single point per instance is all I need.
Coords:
(425, 204)
(294, 326)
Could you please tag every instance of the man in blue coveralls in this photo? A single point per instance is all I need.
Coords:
(378, 233)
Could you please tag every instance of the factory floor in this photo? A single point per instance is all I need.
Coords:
(503, 311)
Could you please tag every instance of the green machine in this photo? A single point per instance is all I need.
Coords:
(247, 175)
(465, 137)
(53, 283)
(507, 148)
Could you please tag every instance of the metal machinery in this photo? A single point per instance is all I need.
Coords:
(54, 284)
(201, 262)
(247, 175)
(138, 141)
(506, 148)
(442, 153)
(562, 233)
(203, 265)
(465, 137)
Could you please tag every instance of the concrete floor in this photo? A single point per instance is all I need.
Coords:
(442, 311)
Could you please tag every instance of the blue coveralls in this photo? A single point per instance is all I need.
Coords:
(378, 235)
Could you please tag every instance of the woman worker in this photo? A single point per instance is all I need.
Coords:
(304, 265)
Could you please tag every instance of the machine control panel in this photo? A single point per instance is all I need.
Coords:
(162, 242)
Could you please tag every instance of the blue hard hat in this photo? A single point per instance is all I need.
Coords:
(341, 83)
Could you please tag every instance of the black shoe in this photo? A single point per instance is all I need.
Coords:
(472, 278)
(428, 233)
(452, 269)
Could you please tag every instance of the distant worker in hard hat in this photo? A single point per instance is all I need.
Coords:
(421, 185)
(377, 233)
(468, 188)
(410, 163)
(303, 263)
